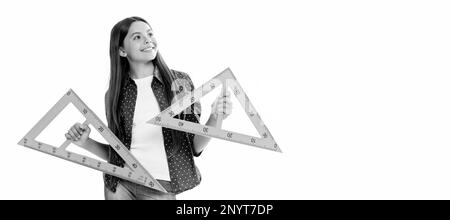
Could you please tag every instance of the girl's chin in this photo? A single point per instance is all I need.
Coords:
(148, 58)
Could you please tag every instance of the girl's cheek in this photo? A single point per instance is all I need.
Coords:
(136, 47)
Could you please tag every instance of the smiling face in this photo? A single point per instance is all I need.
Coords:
(140, 44)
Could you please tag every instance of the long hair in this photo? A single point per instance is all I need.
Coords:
(120, 69)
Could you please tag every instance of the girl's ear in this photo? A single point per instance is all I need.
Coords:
(122, 52)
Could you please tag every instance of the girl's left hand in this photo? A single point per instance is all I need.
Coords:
(222, 106)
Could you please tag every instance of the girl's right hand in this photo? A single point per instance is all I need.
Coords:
(78, 134)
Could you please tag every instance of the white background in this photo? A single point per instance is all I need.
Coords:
(356, 93)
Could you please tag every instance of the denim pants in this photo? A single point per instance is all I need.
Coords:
(127, 190)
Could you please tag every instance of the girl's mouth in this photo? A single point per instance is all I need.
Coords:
(149, 48)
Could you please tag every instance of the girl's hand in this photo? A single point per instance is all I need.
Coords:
(78, 134)
(222, 106)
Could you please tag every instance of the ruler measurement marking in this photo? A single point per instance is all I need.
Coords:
(227, 79)
(133, 172)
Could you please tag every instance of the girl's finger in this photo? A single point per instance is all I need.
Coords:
(227, 98)
(219, 106)
(226, 110)
(224, 96)
(79, 130)
(72, 135)
(225, 105)
(76, 125)
(75, 132)
(219, 99)
(224, 113)
(68, 136)
(84, 127)
(224, 100)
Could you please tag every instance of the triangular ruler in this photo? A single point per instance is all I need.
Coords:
(133, 171)
(227, 79)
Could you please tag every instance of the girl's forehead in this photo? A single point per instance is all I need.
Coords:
(139, 26)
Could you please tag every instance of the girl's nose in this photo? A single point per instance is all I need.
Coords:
(147, 40)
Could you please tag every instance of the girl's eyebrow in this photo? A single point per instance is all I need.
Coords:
(149, 30)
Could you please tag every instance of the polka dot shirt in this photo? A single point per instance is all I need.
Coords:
(184, 174)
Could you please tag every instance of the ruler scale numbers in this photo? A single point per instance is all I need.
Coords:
(227, 79)
(134, 171)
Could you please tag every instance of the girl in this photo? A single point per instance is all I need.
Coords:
(141, 85)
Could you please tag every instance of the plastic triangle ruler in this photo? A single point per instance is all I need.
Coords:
(133, 171)
(227, 79)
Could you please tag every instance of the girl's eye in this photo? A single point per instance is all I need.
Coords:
(136, 37)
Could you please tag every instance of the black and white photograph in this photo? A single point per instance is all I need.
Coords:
(225, 100)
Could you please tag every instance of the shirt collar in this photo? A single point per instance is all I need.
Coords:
(156, 74)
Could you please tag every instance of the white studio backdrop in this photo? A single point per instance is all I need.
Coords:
(356, 93)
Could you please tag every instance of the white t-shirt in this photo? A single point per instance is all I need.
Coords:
(147, 142)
